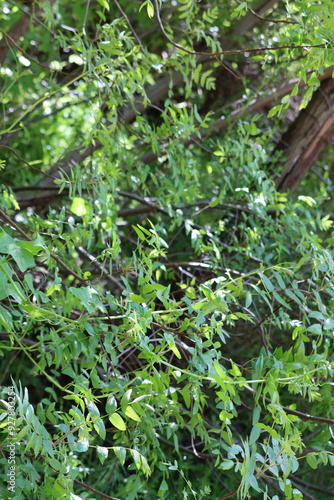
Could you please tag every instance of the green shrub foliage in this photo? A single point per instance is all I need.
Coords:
(166, 315)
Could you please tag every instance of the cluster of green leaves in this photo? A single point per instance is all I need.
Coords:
(173, 312)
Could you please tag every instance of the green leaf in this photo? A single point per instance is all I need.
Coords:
(81, 445)
(111, 404)
(267, 283)
(311, 460)
(254, 435)
(92, 408)
(248, 299)
(131, 413)
(79, 205)
(104, 4)
(102, 453)
(282, 301)
(22, 257)
(23, 432)
(220, 372)
(140, 233)
(55, 464)
(163, 487)
(329, 324)
(138, 299)
(88, 298)
(227, 465)
(256, 414)
(100, 428)
(120, 453)
(117, 421)
(274, 111)
(149, 8)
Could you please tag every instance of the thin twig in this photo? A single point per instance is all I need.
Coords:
(184, 448)
(86, 14)
(100, 267)
(228, 495)
(97, 492)
(303, 416)
(55, 257)
(12, 41)
(24, 161)
(145, 201)
(225, 52)
(267, 18)
(176, 332)
(129, 24)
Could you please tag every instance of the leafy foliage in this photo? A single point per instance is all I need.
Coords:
(166, 313)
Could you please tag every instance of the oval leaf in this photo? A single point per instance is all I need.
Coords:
(131, 413)
(117, 421)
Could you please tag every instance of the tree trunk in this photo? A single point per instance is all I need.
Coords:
(307, 136)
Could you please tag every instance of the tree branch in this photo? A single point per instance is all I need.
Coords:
(97, 492)
(329, 493)
(303, 416)
(55, 257)
(225, 52)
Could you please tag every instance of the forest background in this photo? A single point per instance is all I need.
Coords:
(166, 249)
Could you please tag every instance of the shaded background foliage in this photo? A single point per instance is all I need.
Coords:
(166, 249)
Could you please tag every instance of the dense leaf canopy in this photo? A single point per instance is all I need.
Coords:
(166, 254)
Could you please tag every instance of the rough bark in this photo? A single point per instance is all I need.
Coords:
(17, 30)
(307, 136)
